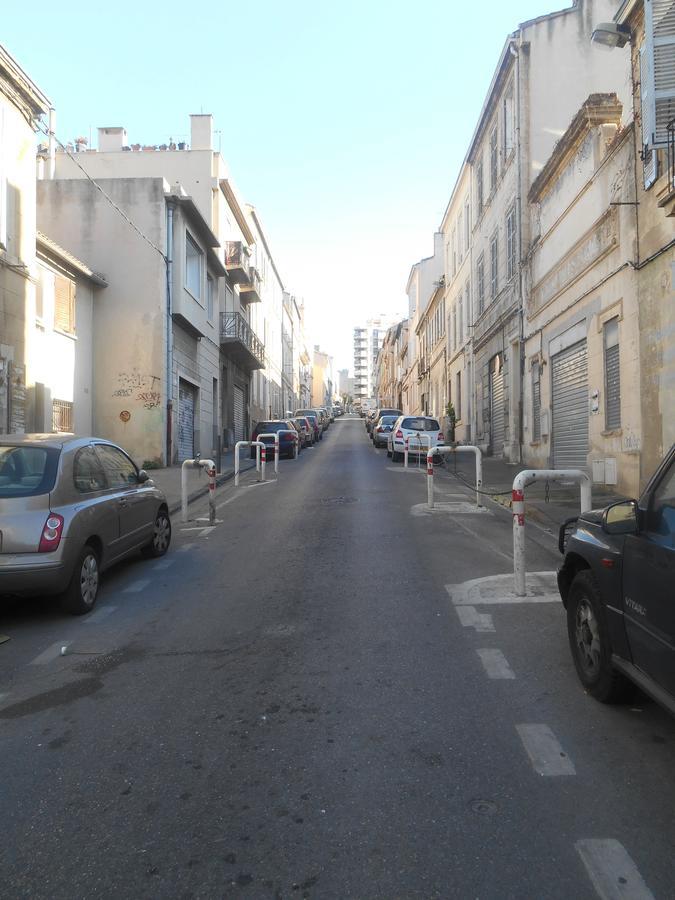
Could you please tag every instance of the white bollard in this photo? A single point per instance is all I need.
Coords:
(210, 467)
(274, 435)
(256, 444)
(518, 511)
(462, 448)
(430, 478)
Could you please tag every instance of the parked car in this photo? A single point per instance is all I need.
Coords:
(381, 430)
(71, 507)
(325, 416)
(617, 583)
(288, 439)
(426, 428)
(315, 419)
(305, 430)
(377, 415)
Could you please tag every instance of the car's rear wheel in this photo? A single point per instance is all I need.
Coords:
(80, 595)
(589, 641)
(396, 456)
(161, 536)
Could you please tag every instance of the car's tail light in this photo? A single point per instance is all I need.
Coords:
(440, 436)
(379, 428)
(399, 433)
(51, 533)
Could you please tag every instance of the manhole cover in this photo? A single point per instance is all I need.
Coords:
(484, 807)
(340, 500)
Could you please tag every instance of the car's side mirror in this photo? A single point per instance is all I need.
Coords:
(143, 476)
(621, 518)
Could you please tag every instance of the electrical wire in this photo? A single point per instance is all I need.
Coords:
(45, 131)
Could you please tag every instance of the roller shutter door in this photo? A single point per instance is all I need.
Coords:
(496, 407)
(569, 384)
(239, 420)
(186, 421)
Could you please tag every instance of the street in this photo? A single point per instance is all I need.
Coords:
(291, 704)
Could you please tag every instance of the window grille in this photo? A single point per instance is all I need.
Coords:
(612, 375)
(62, 416)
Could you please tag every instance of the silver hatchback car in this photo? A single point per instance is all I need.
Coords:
(70, 507)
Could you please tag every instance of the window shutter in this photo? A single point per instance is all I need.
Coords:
(659, 71)
(64, 296)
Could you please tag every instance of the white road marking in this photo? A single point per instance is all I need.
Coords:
(49, 655)
(186, 548)
(225, 502)
(495, 590)
(546, 755)
(98, 616)
(470, 618)
(495, 664)
(260, 483)
(613, 873)
(137, 586)
(196, 528)
(207, 531)
(463, 507)
(163, 564)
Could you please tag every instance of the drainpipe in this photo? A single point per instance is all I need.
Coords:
(169, 332)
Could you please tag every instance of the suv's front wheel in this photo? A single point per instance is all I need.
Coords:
(589, 641)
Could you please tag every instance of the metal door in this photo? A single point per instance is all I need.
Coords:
(497, 427)
(186, 421)
(569, 402)
(239, 421)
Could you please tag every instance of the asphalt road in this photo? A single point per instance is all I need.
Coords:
(289, 705)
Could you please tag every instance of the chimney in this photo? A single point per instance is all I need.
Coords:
(201, 132)
(111, 139)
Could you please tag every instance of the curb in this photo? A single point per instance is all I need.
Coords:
(203, 491)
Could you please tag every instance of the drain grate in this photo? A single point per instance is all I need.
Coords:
(340, 500)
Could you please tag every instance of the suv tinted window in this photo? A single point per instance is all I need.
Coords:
(118, 468)
(271, 427)
(88, 473)
(27, 471)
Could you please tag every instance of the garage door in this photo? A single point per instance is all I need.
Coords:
(186, 420)
(569, 383)
(497, 406)
(239, 420)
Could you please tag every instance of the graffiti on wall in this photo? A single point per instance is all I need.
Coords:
(134, 385)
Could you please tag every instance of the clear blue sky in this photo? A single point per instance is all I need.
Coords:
(345, 124)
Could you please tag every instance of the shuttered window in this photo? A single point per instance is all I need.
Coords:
(536, 402)
(479, 189)
(64, 304)
(612, 375)
(657, 77)
(511, 243)
(493, 159)
(458, 397)
(480, 282)
(494, 267)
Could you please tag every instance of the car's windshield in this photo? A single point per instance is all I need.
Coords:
(27, 471)
(420, 424)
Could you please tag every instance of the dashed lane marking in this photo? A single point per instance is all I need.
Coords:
(99, 615)
(471, 618)
(137, 586)
(613, 873)
(49, 655)
(546, 755)
(495, 664)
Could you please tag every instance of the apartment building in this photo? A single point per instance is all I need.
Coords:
(424, 283)
(323, 380)
(22, 107)
(368, 339)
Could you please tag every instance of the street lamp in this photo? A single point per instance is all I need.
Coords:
(610, 35)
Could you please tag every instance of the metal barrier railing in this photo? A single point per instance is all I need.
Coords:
(443, 451)
(406, 447)
(210, 467)
(261, 452)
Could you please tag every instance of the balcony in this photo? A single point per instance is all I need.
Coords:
(666, 196)
(250, 293)
(236, 262)
(240, 342)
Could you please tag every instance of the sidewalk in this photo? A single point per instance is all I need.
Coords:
(563, 498)
(169, 479)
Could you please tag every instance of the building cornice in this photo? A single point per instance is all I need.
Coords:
(231, 197)
(29, 93)
(49, 251)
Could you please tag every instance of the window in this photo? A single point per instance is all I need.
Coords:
(460, 229)
(458, 397)
(509, 124)
(467, 224)
(454, 252)
(480, 282)
(210, 285)
(493, 159)
(467, 308)
(88, 474)
(193, 268)
(479, 188)
(27, 471)
(536, 402)
(454, 328)
(64, 304)
(460, 320)
(511, 243)
(118, 468)
(612, 375)
(62, 416)
(494, 267)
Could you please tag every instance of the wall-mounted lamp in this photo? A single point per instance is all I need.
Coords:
(610, 35)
